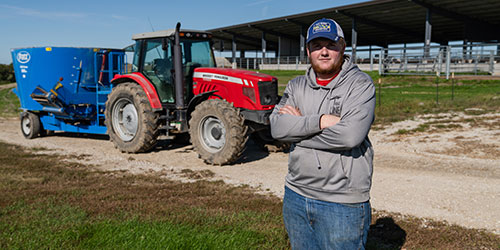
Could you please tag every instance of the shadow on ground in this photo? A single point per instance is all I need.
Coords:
(386, 234)
(79, 135)
(252, 152)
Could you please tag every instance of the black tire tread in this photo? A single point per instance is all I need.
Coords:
(149, 121)
(236, 131)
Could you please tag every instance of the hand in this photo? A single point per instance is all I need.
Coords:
(287, 109)
(328, 120)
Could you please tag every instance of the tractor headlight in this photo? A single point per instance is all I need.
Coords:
(267, 100)
(268, 93)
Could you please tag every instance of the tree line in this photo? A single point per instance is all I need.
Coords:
(7, 73)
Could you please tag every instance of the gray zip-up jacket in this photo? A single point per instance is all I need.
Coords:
(334, 164)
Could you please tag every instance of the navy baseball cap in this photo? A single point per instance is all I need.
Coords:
(326, 28)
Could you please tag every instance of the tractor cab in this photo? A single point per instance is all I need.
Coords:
(154, 58)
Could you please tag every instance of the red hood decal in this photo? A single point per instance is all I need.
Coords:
(237, 73)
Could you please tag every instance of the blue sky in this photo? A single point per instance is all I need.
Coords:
(110, 24)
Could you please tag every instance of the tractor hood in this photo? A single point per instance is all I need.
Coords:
(232, 75)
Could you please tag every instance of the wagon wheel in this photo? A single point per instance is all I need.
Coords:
(30, 125)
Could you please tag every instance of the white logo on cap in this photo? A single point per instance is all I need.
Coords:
(23, 57)
(321, 27)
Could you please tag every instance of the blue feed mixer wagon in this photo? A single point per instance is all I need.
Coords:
(64, 88)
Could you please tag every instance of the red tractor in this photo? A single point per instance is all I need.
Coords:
(176, 89)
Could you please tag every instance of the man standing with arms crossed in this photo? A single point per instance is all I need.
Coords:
(327, 114)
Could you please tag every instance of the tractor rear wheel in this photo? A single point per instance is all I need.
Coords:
(218, 132)
(132, 125)
(30, 125)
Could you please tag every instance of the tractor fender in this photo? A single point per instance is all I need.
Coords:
(197, 99)
(148, 88)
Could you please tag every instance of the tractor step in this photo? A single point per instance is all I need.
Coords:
(166, 127)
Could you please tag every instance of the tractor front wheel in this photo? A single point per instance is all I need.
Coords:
(30, 125)
(218, 132)
(131, 123)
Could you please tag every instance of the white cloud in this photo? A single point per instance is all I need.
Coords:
(258, 2)
(43, 14)
(265, 9)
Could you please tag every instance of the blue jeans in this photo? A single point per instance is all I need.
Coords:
(314, 224)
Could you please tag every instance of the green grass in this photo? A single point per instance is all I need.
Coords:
(9, 103)
(52, 225)
(399, 99)
(420, 128)
(284, 76)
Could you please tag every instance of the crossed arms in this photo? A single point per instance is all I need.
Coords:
(326, 131)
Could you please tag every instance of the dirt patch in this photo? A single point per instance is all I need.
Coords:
(454, 134)
(470, 147)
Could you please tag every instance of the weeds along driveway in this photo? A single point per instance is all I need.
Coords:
(409, 177)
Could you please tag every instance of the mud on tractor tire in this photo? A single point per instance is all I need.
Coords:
(218, 132)
(132, 125)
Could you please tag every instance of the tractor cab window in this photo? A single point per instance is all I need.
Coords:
(157, 64)
(195, 53)
(136, 49)
(157, 67)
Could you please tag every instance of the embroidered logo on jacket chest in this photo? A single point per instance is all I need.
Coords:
(335, 105)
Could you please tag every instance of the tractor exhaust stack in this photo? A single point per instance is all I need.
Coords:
(178, 77)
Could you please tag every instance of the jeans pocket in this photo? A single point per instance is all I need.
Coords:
(343, 226)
